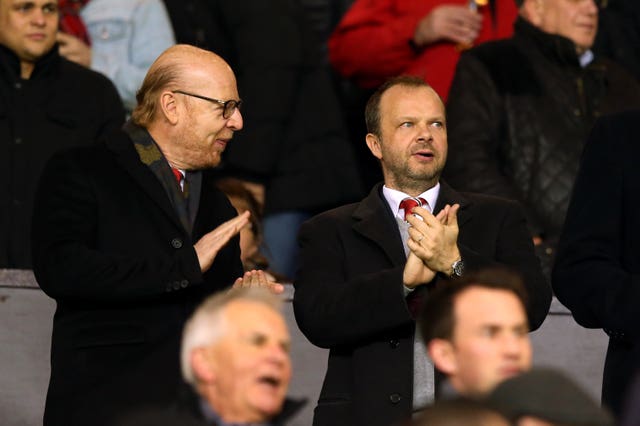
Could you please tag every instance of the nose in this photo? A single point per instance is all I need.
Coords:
(38, 17)
(591, 7)
(235, 122)
(515, 346)
(424, 132)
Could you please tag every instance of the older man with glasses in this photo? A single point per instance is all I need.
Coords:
(130, 235)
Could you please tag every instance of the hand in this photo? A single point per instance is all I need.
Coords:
(209, 245)
(537, 240)
(257, 278)
(256, 189)
(448, 22)
(435, 238)
(74, 49)
(416, 272)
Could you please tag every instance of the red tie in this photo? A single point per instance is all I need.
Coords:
(409, 203)
(178, 174)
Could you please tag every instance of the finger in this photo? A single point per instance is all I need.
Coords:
(426, 216)
(416, 235)
(419, 251)
(458, 34)
(231, 227)
(237, 283)
(275, 288)
(261, 278)
(452, 217)
(442, 214)
(62, 37)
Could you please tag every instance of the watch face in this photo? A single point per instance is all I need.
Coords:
(458, 268)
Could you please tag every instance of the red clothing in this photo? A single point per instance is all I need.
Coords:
(372, 42)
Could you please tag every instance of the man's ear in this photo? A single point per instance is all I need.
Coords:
(202, 367)
(442, 354)
(169, 106)
(373, 142)
(533, 11)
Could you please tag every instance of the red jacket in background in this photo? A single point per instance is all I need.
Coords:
(372, 42)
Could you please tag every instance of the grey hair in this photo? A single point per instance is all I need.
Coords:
(207, 324)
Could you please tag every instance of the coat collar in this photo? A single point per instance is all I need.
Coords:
(375, 221)
(560, 48)
(121, 145)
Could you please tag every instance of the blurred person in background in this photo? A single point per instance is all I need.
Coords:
(46, 103)
(520, 110)
(118, 38)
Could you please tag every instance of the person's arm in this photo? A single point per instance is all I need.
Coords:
(335, 307)
(596, 274)
(378, 39)
(372, 42)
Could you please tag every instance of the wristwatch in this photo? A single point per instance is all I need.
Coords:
(457, 268)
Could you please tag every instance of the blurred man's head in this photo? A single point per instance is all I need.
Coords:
(28, 28)
(235, 352)
(459, 412)
(546, 397)
(476, 330)
(576, 20)
(189, 102)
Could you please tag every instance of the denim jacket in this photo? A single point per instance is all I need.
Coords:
(126, 37)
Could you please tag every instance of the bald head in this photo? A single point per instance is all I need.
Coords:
(180, 66)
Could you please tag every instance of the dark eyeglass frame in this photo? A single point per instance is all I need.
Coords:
(228, 107)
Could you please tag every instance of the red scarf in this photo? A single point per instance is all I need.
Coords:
(70, 20)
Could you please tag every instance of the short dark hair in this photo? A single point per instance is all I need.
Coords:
(372, 110)
(436, 317)
(519, 3)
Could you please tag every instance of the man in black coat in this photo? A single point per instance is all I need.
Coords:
(597, 270)
(130, 235)
(520, 110)
(365, 266)
(46, 103)
(294, 152)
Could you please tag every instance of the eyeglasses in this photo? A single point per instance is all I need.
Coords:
(228, 107)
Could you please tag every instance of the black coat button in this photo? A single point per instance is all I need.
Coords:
(394, 343)
(184, 283)
(176, 243)
(395, 398)
(176, 285)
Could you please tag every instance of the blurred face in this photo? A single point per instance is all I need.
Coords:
(576, 20)
(205, 133)
(28, 27)
(250, 363)
(490, 341)
(412, 145)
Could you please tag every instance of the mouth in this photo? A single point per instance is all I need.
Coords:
(36, 36)
(222, 143)
(588, 27)
(423, 154)
(510, 371)
(270, 381)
